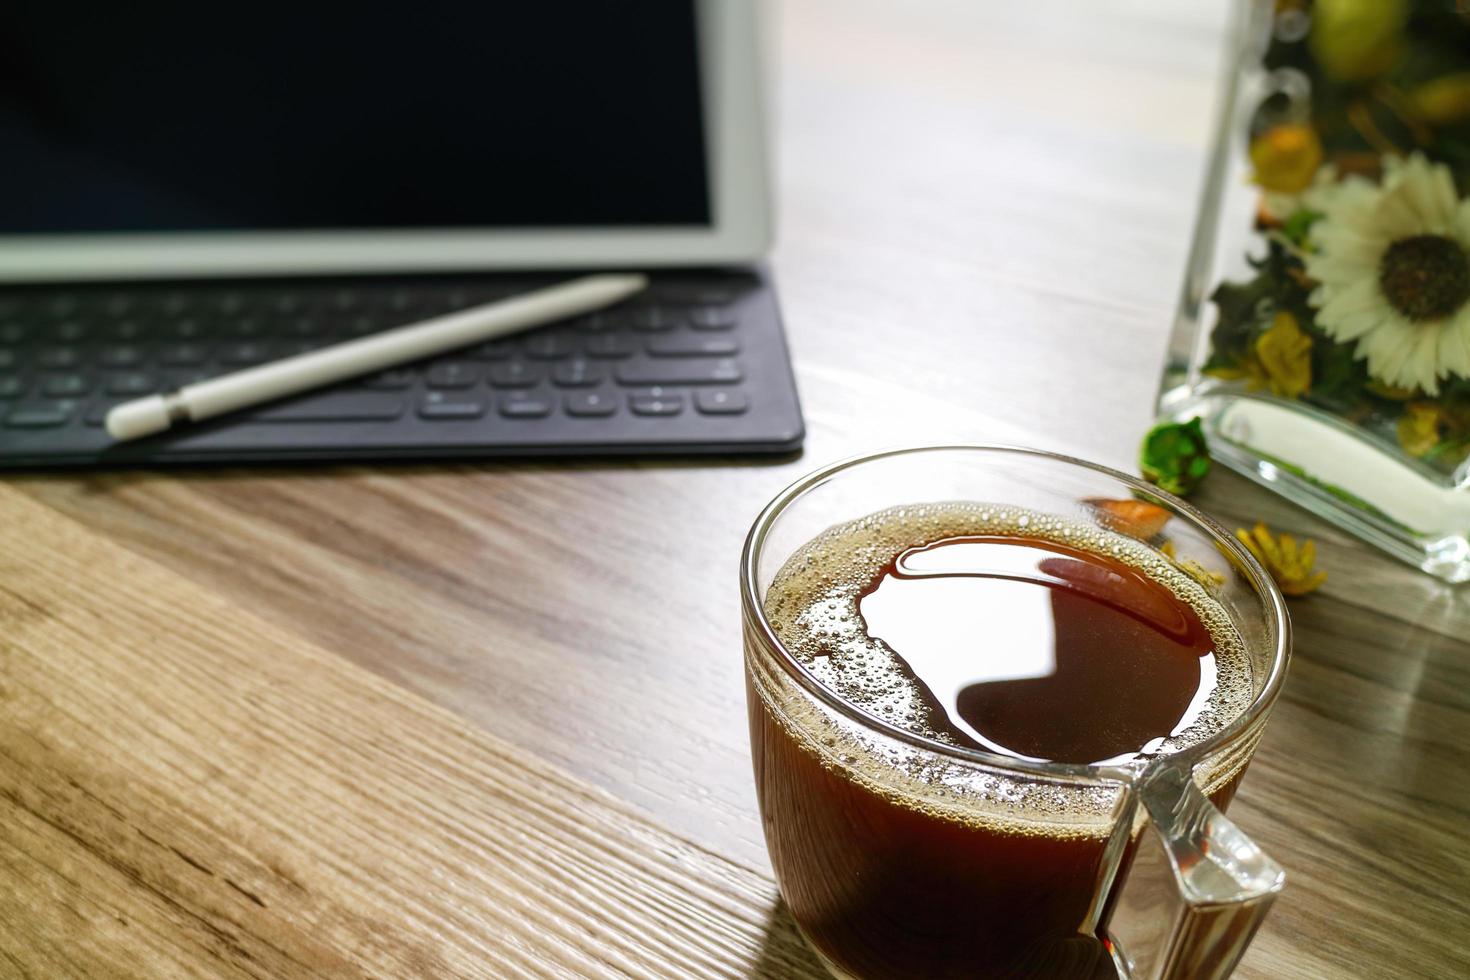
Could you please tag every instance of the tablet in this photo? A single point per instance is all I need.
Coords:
(172, 139)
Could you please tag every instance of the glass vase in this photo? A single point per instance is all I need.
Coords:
(1323, 334)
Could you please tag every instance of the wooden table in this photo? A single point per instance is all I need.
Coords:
(487, 720)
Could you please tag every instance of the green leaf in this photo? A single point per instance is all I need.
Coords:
(1336, 375)
(1296, 227)
(1174, 456)
(1238, 305)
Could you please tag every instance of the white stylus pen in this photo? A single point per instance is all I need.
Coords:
(293, 375)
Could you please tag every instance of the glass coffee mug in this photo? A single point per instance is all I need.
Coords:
(902, 855)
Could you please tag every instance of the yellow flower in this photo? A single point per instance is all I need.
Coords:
(1286, 157)
(1357, 39)
(1291, 566)
(1285, 353)
(1442, 100)
(1418, 428)
(1280, 359)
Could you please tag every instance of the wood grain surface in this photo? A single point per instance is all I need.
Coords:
(197, 795)
(344, 674)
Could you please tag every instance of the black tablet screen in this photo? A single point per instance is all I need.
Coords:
(162, 115)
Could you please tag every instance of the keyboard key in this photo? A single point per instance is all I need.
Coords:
(578, 373)
(7, 358)
(334, 406)
(692, 345)
(174, 304)
(454, 374)
(11, 385)
(610, 345)
(696, 295)
(653, 318)
(58, 357)
(548, 346)
(343, 301)
(516, 374)
(121, 355)
(249, 352)
(65, 386)
(245, 328)
(12, 333)
(118, 305)
(230, 303)
(182, 355)
(130, 383)
(69, 332)
(494, 350)
(60, 307)
(712, 318)
(455, 299)
(304, 326)
(656, 404)
(361, 326)
(40, 415)
(175, 380)
(126, 330)
(683, 371)
(393, 380)
(600, 322)
(590, 404)
(402, 301)
(521, 405)
(286, 304)
(290, 348)
(186, 329)
(618, 319)
(97, 411)
(451, 405)
(721, 401)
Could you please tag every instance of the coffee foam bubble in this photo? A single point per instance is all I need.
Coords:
(812, 606)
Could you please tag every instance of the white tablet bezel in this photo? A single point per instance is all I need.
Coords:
(739, 199)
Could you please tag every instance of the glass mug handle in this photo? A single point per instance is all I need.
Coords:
(1223, 885)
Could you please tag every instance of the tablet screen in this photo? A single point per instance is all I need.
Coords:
(161, 115)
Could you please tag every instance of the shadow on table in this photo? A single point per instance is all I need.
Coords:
(112, 476)
(123, 459)
(784, 954)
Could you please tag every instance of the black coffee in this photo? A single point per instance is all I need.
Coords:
(979, 627)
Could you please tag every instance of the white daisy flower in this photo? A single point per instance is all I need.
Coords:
(1393, 273)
